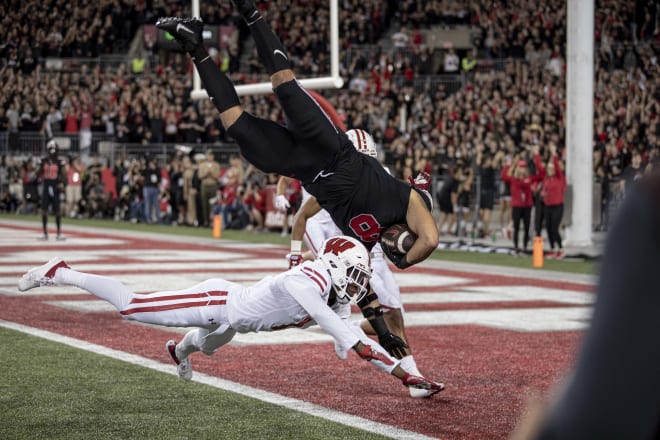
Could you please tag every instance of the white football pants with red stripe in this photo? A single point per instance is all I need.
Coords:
(202, 305)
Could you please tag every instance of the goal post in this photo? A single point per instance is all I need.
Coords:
(326, 82)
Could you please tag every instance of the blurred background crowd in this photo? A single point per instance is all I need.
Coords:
(457, 87)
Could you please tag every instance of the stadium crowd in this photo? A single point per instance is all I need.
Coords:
(509, 102)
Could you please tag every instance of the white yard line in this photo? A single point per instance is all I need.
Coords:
(265, 396)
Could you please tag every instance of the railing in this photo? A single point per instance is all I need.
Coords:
(74, 64)
(32, 144)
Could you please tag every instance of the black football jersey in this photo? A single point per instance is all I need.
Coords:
(51, 171)
(360, 195)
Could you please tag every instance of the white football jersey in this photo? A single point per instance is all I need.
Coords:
(295, 298)
(319, 227)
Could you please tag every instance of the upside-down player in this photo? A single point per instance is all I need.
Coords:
(310, 148)
(313, 225)
(315, 292)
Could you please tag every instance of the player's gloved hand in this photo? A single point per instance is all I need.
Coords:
(421, 383)
(422, 181)
(393, 344)
(341, 352)
(281, 203)
(367, 353)
(295, 259)
(398, 259)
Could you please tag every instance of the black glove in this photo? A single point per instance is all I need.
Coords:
(398, 259)
(393, 344)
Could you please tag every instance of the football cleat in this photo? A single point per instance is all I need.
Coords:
(247, 9)
(183, 366)
(186, 31)
(421, 383)
(60, 237)
(43, 238)
(418, 393)
(41, 276)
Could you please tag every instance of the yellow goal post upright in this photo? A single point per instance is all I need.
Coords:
(326, 82)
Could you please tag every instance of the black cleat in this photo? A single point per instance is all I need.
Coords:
(186, 31)
(247, 9)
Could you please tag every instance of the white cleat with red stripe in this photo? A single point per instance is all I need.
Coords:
(422, 383)
(41, 275)
(183, 366)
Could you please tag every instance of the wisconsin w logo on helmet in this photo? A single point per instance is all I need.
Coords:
(336, 245)
(348, 262)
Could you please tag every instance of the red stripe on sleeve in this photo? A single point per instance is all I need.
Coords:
(317, 277)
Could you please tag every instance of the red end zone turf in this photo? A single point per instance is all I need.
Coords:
(490, 373)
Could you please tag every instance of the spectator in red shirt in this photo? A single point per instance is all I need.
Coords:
(255, 203)
(520, 181)
(552, 192)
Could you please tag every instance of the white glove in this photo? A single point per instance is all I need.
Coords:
(281, 203)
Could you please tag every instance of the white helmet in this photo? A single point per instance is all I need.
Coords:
(347, 260)
(52, 147)
(362, 141)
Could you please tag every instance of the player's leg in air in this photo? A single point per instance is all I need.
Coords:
(304, 115)
(201, 306)
(307, 144)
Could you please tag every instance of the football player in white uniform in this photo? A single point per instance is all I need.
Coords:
(313, 225)
(315, 292)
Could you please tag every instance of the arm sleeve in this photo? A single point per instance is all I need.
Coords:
(540, 169)
(558, 169)
(504, 175)
(306, 293)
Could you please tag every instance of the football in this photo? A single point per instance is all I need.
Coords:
(398, 238)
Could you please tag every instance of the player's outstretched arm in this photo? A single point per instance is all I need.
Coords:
(421, 222)
(373, 312)
(372, 353)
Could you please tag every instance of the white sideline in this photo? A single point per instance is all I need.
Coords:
(265, 396)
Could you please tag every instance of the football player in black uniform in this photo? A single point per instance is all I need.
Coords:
(362, 198)
(52, 175)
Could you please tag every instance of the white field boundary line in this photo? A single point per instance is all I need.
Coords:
(483, 269)
(265, 396)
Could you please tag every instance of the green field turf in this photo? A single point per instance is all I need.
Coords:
(53, 391)
(571, 266)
